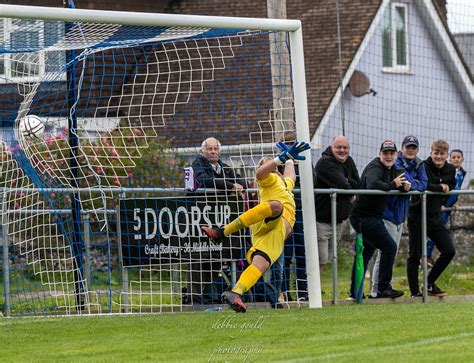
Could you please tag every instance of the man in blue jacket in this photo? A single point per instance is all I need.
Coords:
(396, 209)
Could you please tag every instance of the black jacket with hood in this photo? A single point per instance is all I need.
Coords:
(331, 173)
(436, 176)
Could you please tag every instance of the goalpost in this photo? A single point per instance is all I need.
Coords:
(144, 88)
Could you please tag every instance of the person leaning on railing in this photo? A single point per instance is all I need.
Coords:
(367, 217)
(396, 210)
(441, 178)
(456, 157)
(212, 173)
(335, 169)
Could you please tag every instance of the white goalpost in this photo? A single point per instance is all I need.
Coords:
(99, 106)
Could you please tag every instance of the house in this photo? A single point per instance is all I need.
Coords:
(403, 48)
(465, 43)
(422, 86)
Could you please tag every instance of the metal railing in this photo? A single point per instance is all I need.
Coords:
(334, 192)
(123, 192)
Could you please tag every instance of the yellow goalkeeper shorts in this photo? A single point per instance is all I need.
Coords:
(268, 238)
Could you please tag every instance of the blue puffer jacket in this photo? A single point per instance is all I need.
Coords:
(396, 209)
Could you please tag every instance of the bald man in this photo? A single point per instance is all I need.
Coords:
(335, 169)
(211, 172)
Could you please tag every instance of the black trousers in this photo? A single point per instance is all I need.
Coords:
(375, 236)
(441, 237)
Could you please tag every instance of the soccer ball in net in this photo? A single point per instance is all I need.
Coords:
(31, 127)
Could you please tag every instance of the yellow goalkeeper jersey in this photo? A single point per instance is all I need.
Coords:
(273, 187)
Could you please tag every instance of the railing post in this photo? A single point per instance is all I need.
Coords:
(124, 270)
(6, 259)
(424, 263)
(335, 291)
(87, 248)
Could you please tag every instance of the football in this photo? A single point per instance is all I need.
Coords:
(31, 127)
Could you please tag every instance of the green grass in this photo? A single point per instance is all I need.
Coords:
(370, 333)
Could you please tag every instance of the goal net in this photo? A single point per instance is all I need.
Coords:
(95, 213)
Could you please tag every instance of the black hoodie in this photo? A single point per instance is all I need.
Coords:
(374, 176)
(436, 176)
(331, 173)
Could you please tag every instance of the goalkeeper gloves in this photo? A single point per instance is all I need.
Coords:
(292, 152)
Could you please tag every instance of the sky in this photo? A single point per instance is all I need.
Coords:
(461, 16)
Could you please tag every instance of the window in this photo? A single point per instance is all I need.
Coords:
(24, 37)
(395, 38)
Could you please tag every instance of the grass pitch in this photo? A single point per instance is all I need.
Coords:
(371, 333)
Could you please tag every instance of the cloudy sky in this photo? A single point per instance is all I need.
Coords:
(461, 16)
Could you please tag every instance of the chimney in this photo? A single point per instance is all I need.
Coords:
(442, 9)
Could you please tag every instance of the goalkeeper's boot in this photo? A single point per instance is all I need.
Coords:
(234, 300)
(215, 233)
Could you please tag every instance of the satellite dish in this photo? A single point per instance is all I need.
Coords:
(359, 85)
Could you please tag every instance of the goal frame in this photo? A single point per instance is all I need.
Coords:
(293, 27)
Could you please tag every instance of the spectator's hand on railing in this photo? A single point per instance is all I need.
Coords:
(445, 188)
(399, 180)
(406, 186)
(239, 189)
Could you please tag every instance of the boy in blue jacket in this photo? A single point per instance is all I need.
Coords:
(396, 210)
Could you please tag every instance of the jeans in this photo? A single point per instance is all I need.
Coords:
(441, 237)
(375, 236)
(395, 230)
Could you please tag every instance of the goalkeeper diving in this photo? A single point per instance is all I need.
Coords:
(271, 221)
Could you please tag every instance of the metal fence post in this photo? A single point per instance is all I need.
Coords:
(6, 260)
(335, 291)
(87, 247)
(424, 263)
(124, 270)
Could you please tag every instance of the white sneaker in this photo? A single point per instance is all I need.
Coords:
(282, 297)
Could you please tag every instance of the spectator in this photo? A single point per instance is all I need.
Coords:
(396, 209)
(335, 169)
(206, 283)
(456, 157)
(441, 178)
(367, 217)
(272, 220)
(211, 172)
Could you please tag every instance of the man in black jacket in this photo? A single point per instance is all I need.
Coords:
(367, 217)
(211, 172)
(335, 169)
(441, 178)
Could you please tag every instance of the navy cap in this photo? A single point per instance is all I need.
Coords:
(410, 140)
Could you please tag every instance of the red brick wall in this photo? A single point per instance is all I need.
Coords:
(156, 6)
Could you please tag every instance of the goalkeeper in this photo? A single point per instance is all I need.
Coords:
(271, 220)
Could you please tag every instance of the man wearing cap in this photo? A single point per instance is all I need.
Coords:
(396, 209)
(367, 217)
